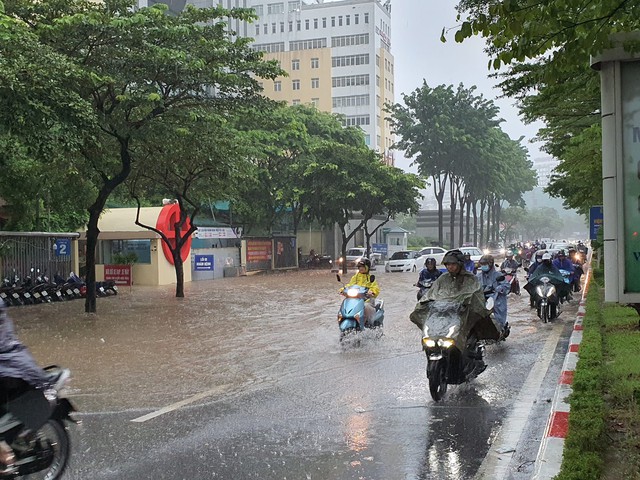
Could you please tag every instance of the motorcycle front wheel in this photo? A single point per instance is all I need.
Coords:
(437, 375)
(545, 313)
(48, 458)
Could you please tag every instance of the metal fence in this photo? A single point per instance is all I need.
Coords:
(49, 252)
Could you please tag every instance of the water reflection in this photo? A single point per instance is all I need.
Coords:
(458, 436)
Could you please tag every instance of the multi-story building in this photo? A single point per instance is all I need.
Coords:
(338, 57)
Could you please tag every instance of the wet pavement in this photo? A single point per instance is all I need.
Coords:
(245, 378)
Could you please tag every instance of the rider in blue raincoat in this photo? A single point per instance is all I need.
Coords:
(494, 283)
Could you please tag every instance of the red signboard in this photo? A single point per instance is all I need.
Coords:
(121, 274)
(259, 250)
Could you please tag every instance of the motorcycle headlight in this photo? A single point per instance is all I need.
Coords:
(539, 291)
(428, 342)
(551, 291)
(486, 251)
(446, 342)
(353, 292)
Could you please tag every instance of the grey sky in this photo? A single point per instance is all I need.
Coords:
(419, 54)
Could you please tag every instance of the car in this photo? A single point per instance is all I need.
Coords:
(496, 249)
(430, 252)
(475, 252)
(403, 261)
(355, 254)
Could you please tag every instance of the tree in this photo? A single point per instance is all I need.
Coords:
(140, 68)
(547, 48)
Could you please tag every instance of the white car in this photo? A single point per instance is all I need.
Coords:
(403, 261)
(475, 252)
(430, 252)
(354, 255)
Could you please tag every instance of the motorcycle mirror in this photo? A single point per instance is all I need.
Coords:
(372, 278)
(338, 277)
(526, 269)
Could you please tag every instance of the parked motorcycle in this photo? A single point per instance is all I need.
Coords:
(351, 313)
(453, 340)
(319, 261)
(39, 437)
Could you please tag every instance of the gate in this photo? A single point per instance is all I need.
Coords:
(49, 252)
(274, 253)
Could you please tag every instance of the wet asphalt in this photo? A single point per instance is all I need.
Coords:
(245, 378)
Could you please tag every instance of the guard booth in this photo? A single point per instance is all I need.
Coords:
(397, 239)
(48, 252)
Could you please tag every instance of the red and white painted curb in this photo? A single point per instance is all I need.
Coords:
(549, 456)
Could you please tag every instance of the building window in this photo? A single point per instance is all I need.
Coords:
(265, 29)
(350, 81)
(298, 25)
(315, 102)
(273, 27)
(315, 63)
(333, 21)
(348, 19)
(293, 6)
(339, 20)
(350, 60)
(268, 47)
(356, 120)
(367, 140)
(281, 27)
(315, 83)
(257, 29)
(295, 101)
(324, 22)
(259, 10)
(350, 101)
(306, 24)
(295, 84)
(366, 18)
(142, 249)
(315, 23)
(291, 25)
(377, 60)
(356, 18)
(348, 40)
(295, 64)
(310, 44)
(277, 86)
(377, 80)
(275, 8)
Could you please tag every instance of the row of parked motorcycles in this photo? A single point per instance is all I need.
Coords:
(37, 287)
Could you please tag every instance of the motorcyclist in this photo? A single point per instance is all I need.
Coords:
(455, 279)
(561, 262)
(509, 262)
(495, 285)
(428, 274)
(364, 279)
(469, 265)
(17, 368)
(536, 263)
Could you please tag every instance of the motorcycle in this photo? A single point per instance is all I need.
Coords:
(454, 344)
(351, 313)
(39, 437)
(511, 276)
(546, 294)
(319, 261)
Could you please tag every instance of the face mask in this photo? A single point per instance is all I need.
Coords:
(539, 260)
(484, 268)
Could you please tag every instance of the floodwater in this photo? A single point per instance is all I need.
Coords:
(255, 383)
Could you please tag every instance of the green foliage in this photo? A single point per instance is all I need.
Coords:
(124, 258)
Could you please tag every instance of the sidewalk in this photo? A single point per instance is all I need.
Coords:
(549, 456)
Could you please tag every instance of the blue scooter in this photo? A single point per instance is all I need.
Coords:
(351, 314)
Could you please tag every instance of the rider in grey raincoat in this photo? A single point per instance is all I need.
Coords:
(490, 279)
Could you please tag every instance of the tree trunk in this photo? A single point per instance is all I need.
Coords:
(468, 221)
(438, 190)
(453, 192)
(482, 204)
(179, 266)
(475, 222)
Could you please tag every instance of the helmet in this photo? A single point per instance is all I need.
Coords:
(546, 256)
(561, 254)
(487, 260)
(509, 255)
(453, 256)
(430, 261)
(365, 262)
(467, 255)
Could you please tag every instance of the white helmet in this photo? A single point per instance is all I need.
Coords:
(546, 256)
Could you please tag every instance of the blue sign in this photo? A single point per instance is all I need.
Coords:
(596, 218)
(203, 263)
(62, 247)
(379, 248)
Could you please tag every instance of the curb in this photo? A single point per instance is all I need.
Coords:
(549, 456)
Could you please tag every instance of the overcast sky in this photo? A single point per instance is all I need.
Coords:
(419, 54)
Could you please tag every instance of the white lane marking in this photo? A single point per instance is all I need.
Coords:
(174, 406)
(495, 464)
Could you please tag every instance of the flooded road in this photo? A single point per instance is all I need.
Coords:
(245, 378)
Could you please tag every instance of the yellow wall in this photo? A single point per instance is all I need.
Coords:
(305, 74)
